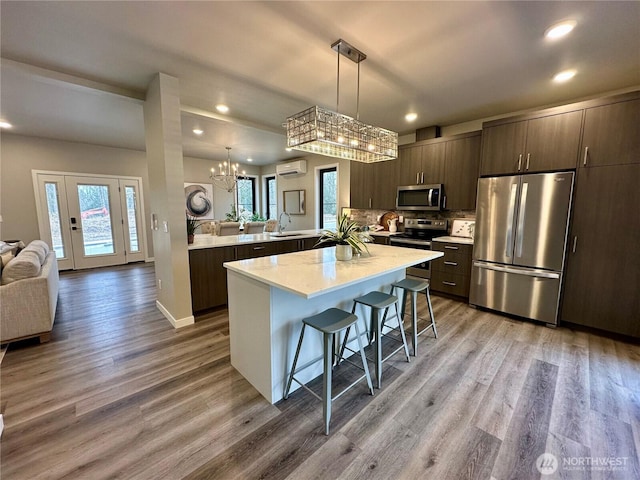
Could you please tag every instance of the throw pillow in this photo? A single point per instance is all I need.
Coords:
(37, 249)
(25, 265)
(6, 257)
(42, 244)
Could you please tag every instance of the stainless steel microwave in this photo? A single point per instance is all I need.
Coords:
(420, 197)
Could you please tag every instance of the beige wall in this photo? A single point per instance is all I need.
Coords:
(20, 155)
(307, 182)
(196, 170)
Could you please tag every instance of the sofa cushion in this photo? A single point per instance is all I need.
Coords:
(39, 250)
(25, 265)
(42, 244)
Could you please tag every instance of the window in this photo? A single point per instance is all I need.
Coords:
(246, 195)
(328, 197)
(271, 197)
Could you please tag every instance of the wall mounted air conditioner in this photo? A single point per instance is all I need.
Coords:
(292, 168)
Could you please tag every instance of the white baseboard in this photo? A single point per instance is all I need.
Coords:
(177, 323)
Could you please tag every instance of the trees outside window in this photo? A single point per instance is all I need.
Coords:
(272, 198)
(328, 189)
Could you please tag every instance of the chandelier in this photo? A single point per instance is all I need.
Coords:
(322, 131)
(227, 176)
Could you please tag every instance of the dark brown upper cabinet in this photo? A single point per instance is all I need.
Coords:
(421, 164)
(546, 143)
(462, 161)
(611, 135)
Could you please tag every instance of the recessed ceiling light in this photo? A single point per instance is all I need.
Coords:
(289, 149)
(222, 108)
(410, 117)
(560, 29)
(564, 76)
(198, 131)
(4, 124)
(249, 159)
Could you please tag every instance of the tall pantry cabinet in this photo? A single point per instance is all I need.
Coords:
(602, 280)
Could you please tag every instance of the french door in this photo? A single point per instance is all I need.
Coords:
(90, 221)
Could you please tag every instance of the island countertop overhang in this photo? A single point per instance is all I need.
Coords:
(316, 272)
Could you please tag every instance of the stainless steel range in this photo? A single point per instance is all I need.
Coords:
(418, 233)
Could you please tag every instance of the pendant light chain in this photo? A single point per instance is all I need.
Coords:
(358, 95)
(338, 85)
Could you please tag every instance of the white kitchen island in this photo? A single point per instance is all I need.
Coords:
(269, 296)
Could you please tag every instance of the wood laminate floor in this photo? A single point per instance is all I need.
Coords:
(118, 393)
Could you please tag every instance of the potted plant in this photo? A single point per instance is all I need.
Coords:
(192, 225)
(347, 237)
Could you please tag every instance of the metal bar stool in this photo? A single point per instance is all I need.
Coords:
(378, 301)
(330, 322)
(414, 287)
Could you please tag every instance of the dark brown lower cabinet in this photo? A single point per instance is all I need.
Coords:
(452, 273)
(209, 277)
(602, 280)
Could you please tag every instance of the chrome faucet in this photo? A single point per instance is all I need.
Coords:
(280, 226)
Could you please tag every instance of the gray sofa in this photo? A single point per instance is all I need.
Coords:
(29, 294)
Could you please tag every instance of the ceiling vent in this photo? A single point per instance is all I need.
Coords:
(292, 168)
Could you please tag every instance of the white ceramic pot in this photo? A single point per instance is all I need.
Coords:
(343, 252)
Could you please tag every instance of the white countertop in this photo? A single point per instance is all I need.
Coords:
(461, 240)
(315, 272)
(212, 241)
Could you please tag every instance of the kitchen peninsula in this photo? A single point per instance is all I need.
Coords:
(269, 296)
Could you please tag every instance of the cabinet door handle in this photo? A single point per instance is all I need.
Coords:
(451, 248)
(258, 248)
(369, 202)
(575, 243)
(417, 178)
(519, 162)
(451, 284)
(444, 202)
(454, 264)
(422, 177)
(586, 154)
(528, 156)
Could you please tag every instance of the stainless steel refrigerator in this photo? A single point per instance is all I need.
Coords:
(519, 244)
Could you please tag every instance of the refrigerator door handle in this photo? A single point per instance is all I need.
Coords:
(512, 206)
(521, 219)
(517, 271)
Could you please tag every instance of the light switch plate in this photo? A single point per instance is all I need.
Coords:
(463, 228)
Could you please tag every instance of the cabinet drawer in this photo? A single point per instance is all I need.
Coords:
(453, 263)
(450, 283)
(446, 247)
(254, 250)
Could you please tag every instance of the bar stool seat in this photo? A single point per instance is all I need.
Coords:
(378, 301)
(329, 322)
(414, 286)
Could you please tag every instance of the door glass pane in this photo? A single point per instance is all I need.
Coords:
(95, 214)
(53, 208)
(130, 194)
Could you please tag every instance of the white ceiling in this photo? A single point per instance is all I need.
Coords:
(78, 70)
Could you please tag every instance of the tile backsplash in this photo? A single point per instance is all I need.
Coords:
(371, 217)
